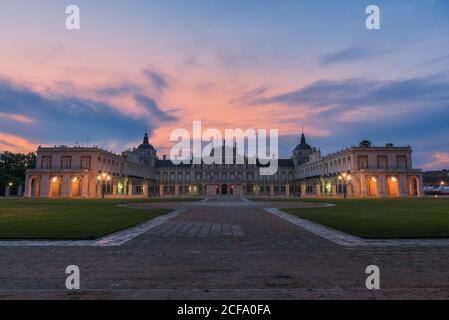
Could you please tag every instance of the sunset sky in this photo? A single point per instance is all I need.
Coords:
(284, 64)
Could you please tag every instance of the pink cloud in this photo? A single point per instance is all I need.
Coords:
(12, 143)
(16, 117)
(439, 160)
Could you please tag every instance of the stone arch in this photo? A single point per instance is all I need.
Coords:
(55, 186)
(76, 186)
(393, 186)
(34, 187)
(91, 182)
(372, 186)
(413, 185)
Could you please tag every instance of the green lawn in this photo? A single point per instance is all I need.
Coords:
(383, 218)
(70, 219)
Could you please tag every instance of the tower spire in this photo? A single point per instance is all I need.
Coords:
(145, 137)
(303, 137)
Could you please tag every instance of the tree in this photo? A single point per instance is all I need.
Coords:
(13, 167)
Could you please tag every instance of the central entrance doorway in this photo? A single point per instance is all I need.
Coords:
(224, 189)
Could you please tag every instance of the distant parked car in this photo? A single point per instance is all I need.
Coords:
(440, 190)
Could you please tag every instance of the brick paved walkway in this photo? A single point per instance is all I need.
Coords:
(225, 251)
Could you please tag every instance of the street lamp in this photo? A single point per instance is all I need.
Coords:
(10, 184)
(103, 178)
(346, 178)
(442, 186)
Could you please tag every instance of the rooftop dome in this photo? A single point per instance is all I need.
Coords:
(365, 144)
(146, 144)
(303, 145)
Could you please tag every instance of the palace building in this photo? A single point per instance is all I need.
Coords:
(91, 172)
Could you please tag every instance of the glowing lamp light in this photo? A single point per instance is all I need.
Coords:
(349, 177)
(373, 179)
(55, 179)
(10, 184)
(394, 179)
(99, 177)
(108, 178)
(104, 175)
(75, 179)
(344, 175)
(442, 183)
(339, 178)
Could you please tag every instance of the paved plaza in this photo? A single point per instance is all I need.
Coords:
(225, 248)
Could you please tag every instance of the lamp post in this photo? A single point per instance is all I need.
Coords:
(346, 178)
(103, 178)
(442, 187)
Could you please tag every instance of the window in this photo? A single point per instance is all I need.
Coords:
(139, 189)
(363, 162)
(382, 162)
(46, 162)
(85, 162)
(66, 162)
(402, 162)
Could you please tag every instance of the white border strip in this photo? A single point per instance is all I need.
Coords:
(344, 239)
(112, 240)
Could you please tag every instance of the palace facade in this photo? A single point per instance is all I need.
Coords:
(91, 172)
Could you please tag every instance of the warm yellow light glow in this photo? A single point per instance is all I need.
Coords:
(104, 175)
(442, 183)
(339, 178)
(99, 177)
(55, 179)
(344, 174)
(394, 179)
(75, 179)
(108, 178)
(10, 184)
(373, 179)
(349, 177)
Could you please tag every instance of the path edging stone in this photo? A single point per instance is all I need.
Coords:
(112, 240)
(344, 239)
